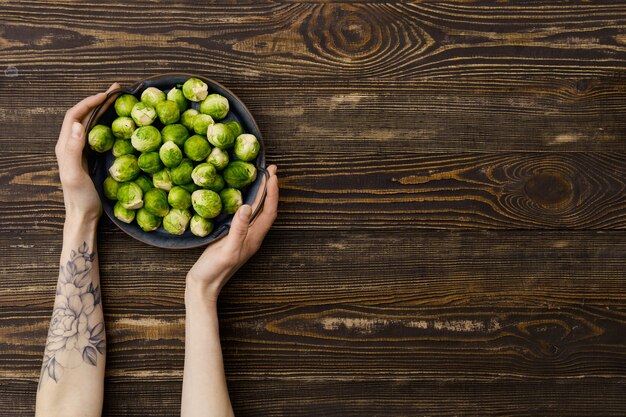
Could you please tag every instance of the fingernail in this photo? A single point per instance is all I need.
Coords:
(245, 211)
(76, 130)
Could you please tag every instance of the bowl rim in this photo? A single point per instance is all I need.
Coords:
(134, 89)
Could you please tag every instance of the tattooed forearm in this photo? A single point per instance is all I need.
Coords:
(76, 334)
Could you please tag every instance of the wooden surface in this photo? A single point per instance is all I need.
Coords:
(452, 229)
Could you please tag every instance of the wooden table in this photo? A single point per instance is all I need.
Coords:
(451, 238)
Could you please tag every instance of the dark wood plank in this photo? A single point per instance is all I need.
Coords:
(355, 190)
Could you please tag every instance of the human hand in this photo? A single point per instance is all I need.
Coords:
(81, 199)
(223, 258)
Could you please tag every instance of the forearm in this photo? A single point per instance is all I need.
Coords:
(72, 377)
(204, 383)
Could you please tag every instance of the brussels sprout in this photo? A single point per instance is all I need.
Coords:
(200, 226)
(195, 89)
(144, 182)
(123, 127)
(168, 112)
(197, 148)
(122, 147)
(203, 174)
(146, 139)
(217, 184)
(123, 214)
(162, 179)
(201, 122)
(206, 203)
(147, 221)
(176, 95)
(176, 133)
(124, 104)
(231, 200)
(124, 168)
(191, 187)
(238, 174)
(188, 117)
(143, 114)
(101, 138)
(152, 95)
(235, 127)
(218, 158)
(246, 147)
(215, 106)
(170, 154)
(130, 196)
(220, 136)
(179, 198)
(176, 221)
(182, 173)
(150, 162)
(155, 202)
(110, 187)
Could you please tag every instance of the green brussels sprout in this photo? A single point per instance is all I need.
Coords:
(162, 179)
(218, 158)
(123, 214)
(206, 203)
(124, 168)
(143, 114)
(246, 147)
(201, 123)
(124, 105)
(146, 139)
(235, 127)
(147, 221)
(155, 202)
(231, 200)
(101, 138)
(215, 106)
(176, 221)
(182, 173)
(122, 147)
(152, 96)
(191, 187)
(220, 136)
(238, 174)
(123, 127)
(197, 148)
(200, 226)
(150, 162)
(168, 112)
(176, 95)
(176, 133)
(188, 117)
(217, 184)
(144, 182)
(203, 174)
(179, 198)
(110, 187)
(195, 89)
(170, 154)
(130, 195)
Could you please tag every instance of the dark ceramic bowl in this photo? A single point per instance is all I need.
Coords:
(99, 163)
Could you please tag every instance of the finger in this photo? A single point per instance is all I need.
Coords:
(73, 157)
(266, 218)
(238, 228)
(111, 99)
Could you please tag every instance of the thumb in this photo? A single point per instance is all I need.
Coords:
(239, 227)
(74, 147)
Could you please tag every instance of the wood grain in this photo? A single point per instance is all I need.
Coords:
(469, 190)
(451, 238)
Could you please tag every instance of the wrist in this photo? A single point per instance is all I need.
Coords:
(200, 292)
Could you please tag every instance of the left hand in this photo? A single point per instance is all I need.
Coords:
(81, 199)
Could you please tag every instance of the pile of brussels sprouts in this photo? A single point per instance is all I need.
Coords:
(182, 175)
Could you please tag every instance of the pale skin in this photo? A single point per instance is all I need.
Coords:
(72, 378)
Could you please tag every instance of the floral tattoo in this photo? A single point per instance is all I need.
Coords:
(76, 333)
